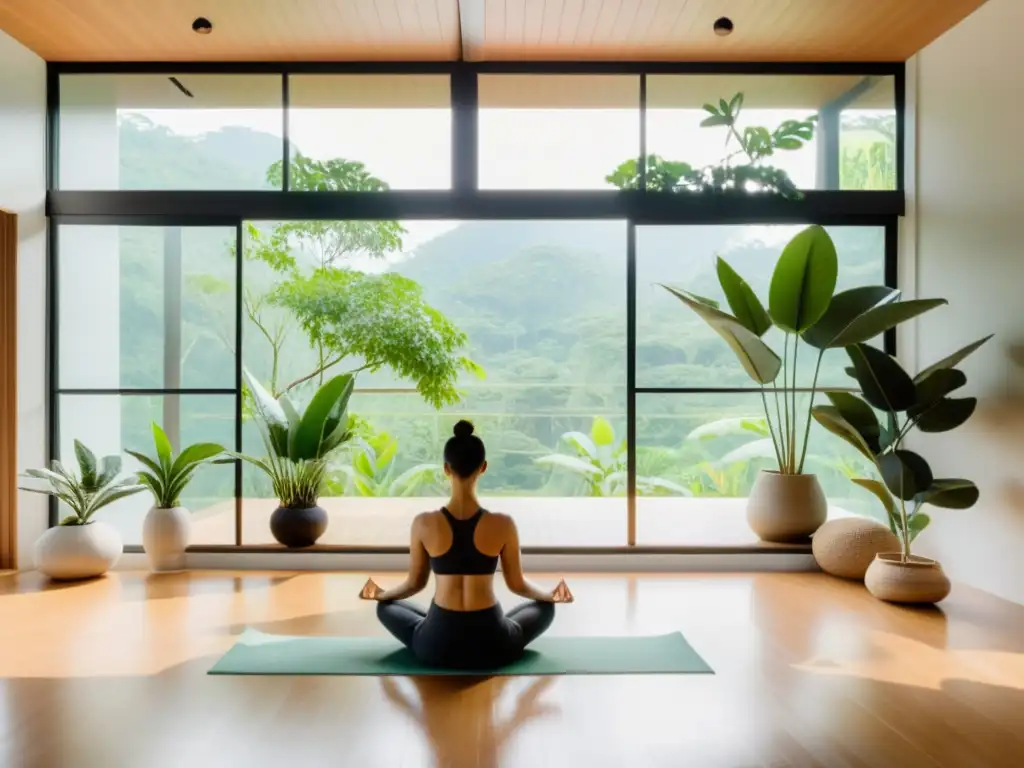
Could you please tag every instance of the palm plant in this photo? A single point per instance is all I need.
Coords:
(168, 475)
(920, 403)
(600, 461)
(298, 444)
(96, 485)
(801, 305)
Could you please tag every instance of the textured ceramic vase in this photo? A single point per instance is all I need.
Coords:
(68, 552)
(846, 546)
(298, 528)
(785, 508)
(165, 535)
(918, 581)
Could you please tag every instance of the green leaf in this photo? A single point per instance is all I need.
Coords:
(711, 108)
(708, 122)
(321, 417)
(892, 511)
(917, 523)
(953, 360)
(271, 413)
(788, 143)
(164, 451)
(601, 432)
(844, 310)
(831, 419)
(147, 462)
(936, 386)
(86, 464)
(905, 473)
(947, 414)
(739, 425)
(363, 464)
(756, 357)
(110, 467)
(950, 493)
(884, 384)
(803, 281)
(723, 105)
(735, 104)
(877, 320)
(742, 300)
(579, 466)
(581, 443)
(196, 454)
(860, 416)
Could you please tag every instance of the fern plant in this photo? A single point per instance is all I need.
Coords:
(167, 475)
(96, 485)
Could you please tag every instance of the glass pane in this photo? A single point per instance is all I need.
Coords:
(539, 306)
(852, 144)
(675, 348)
(146, 307)
(184, 132)
(556, 131)
(395, 128)
(111, 424)
(717, 466)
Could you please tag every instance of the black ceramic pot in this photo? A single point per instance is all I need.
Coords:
(298, 528)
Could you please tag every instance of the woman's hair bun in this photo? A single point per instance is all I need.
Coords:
(463, 428)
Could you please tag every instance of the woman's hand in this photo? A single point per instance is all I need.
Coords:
(370, 591)
(561, 593)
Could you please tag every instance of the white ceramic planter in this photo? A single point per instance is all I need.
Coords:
(918, 581)
(785, 508)
(70, 552)
(165, 535)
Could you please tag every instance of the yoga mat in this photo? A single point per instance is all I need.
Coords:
(257, 653)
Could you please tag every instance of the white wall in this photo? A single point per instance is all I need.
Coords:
(966, 237)
(23, 190)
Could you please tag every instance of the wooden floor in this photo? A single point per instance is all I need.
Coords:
(810, 672)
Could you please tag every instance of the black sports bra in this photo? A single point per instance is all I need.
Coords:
(462, 557)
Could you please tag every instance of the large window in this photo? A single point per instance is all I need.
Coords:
(527, 340)
(475, 242)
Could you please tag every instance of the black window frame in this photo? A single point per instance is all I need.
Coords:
(464, 201)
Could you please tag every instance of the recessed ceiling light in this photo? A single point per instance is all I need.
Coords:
(202, 26)
(723, 26)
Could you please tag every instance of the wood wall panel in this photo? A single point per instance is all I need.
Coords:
(8, 390)
(477, 30)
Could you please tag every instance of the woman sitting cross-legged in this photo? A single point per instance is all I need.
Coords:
(465, 627)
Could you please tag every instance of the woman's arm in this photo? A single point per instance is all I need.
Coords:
(419, 570)
(512, 568)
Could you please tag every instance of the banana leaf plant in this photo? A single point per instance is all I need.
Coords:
(600, 461)
(372, 471)
(298, 444)
(801, 304)
(922, 403)
(95, 486)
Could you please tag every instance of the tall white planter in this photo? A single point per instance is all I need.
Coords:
(165, 535)
(70, 552)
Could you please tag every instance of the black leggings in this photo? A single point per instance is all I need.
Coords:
(485, 639)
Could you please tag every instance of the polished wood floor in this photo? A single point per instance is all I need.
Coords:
(810, 672)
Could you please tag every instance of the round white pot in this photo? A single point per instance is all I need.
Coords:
(69, 552)
(165, 535)
(785, 508)
(916, 581)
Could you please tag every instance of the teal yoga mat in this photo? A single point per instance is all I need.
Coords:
(257, 653)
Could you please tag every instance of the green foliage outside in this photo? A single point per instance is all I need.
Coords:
(539, 305)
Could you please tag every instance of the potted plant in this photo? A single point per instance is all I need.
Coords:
(907, 483)
(786, 504)
(298, 445)
(81, 547)
(166, 529)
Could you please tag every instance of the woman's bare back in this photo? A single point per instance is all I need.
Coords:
(464, 592)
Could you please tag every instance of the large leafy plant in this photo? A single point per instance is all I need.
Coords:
(95, 486)
(922, 403)
(372, 470)
(600, 462)
(802, 306)
(755, 144)
(168, 475)
(298, 444)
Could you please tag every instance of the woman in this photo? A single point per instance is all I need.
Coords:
(462, 543)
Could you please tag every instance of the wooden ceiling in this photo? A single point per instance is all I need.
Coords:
(479, 30)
